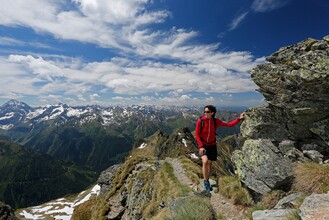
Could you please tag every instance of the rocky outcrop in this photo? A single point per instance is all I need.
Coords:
(293, 125)
(139, 188)
(105, 179)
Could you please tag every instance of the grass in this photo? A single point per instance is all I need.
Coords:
(230, 187)
(223, 166)
(293, 215)
(194, 208)
(192, 170)
(84, 210)
(255, 207)
(272, 198)
(311, 178)
(165, 187)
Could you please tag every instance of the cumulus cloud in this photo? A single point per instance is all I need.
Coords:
(138, 69)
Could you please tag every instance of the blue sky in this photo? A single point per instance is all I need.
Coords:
(168, 52)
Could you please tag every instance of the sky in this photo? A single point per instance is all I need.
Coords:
(162, 52)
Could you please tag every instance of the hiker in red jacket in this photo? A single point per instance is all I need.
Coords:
(205, 135)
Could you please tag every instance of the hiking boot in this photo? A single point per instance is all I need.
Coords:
(210, 186)
(207, 185)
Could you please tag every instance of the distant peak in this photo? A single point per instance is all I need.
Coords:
(16, 104)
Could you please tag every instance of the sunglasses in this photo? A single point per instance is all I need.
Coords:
(207, 112)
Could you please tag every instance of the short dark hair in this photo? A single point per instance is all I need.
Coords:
(212, 109)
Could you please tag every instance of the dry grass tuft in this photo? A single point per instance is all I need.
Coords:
(84, 211)
(255, 207)
(194, 208)
(311, 178)
(272, 198)
(192, 170)
(293, 215)
(231, 187)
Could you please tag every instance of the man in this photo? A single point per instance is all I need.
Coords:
(205, 134)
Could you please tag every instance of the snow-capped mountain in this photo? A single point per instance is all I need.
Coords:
(12, 113)
(15, 112)
(92, 136)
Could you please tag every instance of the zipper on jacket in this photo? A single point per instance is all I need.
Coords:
(208, 130)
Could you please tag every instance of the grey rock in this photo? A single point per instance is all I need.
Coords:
(296, 155)
(314, 155)
(286, 145)
(105, 179)
(261, 166)
(315, 207)
(277, 214)
(289, 201)
(267, 122)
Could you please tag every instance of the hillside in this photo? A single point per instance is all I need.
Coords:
(29, 178)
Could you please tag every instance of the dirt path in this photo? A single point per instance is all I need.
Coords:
(225, 207)
(222, 205)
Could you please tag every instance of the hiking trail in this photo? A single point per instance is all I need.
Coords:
(222, 205)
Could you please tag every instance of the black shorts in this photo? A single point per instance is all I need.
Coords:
(211, 152)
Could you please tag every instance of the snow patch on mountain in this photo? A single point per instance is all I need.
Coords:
(6, 127)
(143, 145)
(35, 113)
(56, 112)
(72, 112)
(7, 116)
(59, 209)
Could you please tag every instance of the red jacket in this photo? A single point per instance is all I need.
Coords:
(207, 135)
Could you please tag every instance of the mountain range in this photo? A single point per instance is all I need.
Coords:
(93, 136)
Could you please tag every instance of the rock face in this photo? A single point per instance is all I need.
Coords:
(293, 122)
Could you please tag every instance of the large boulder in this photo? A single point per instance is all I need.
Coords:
(261, 166)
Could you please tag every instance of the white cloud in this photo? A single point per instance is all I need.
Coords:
(108, 23)
(137, 70)
(38, 66)
(236, 21)
(267, 5)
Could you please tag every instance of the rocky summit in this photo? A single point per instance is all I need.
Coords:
(293, 125)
